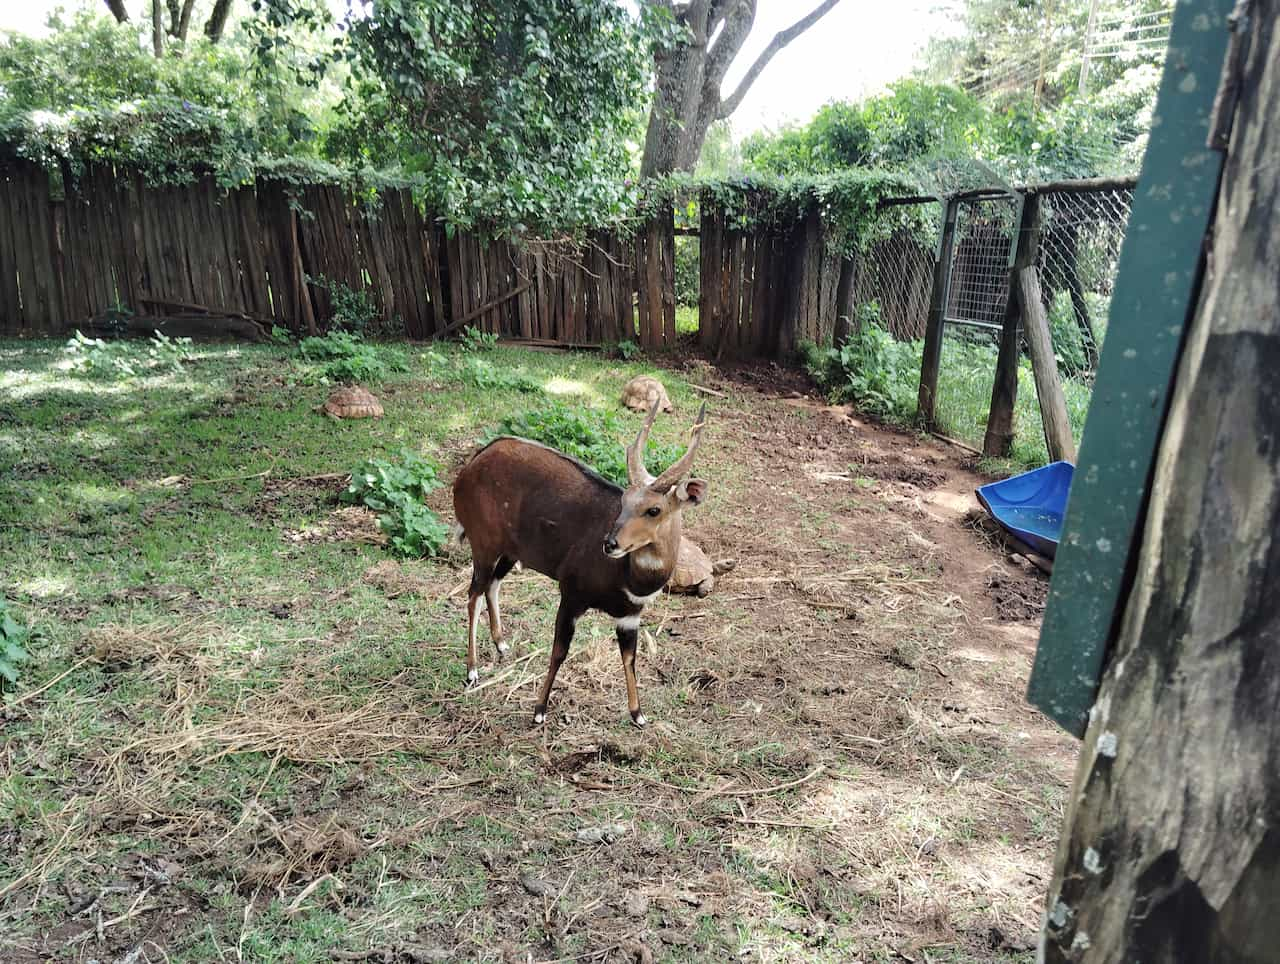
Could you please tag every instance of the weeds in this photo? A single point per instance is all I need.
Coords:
(13, 646)
(354, 310)
(872, 369)
(478, 373)
(127, 359)
(881, 376)
(396, 490)
(343, 356)
(591, 436)
(625, 350)
(473, 339)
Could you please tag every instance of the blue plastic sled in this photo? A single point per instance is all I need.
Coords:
(1030, 506)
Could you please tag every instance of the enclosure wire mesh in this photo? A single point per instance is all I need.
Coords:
(896, 275)
(1077, 257)
(1078, 254)
(978, 280)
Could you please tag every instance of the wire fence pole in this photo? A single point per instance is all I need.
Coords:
(931, 358)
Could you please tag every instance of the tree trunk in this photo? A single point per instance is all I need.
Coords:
(157, 29)
(184, 19)
(688, 78)
(216, 25)
(1075, 288)
(118, 10)
(677, 83)
(1172, 849)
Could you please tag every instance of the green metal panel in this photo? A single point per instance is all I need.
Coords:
(1157, 280)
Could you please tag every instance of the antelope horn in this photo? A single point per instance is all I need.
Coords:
(636, 472)
(685, 463)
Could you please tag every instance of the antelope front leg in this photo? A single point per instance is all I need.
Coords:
(566, 622)
(628, 629)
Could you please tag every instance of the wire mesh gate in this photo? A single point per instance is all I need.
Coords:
(1078, 234)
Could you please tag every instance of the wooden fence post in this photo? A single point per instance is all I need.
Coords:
(1004, 391)
(1026, 291)
(844, 290)
(927, 400)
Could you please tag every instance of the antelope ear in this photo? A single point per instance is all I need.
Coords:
(692, 491)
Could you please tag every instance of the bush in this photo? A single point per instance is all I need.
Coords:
(872, 370)
(354, 310)
(625, 349)
(591, 436)
(343, 356)
(126, 359)
(396, 490)
(13, 646)
(478, 373)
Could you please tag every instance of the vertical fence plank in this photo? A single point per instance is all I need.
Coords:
(10, 303)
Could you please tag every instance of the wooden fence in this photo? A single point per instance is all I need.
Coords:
(272, 253)
(763, 290)
(269, 253)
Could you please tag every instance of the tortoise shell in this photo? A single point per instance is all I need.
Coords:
(640, 393)
(352, 401)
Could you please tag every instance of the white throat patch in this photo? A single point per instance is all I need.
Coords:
(640, 600)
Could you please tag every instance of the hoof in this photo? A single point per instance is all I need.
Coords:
(539, 715)
(473, 677)
(503, 648)
(639, 719)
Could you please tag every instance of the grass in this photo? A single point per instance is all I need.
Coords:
(965, 380)
(242, 732)
(686, 319)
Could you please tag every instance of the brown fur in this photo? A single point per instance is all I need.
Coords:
(521, 502)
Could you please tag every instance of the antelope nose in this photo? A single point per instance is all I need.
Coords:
(610, 545)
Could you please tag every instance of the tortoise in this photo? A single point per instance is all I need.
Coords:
(352, 401)
(695, 574)
(641, 392)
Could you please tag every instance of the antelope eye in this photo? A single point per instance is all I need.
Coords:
(654, 511)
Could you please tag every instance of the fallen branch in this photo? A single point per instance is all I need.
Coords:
(473, 315)
(707, 391)
(231, 478)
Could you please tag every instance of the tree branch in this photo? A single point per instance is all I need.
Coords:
(118, 11)
(737, 27)
(780, 40)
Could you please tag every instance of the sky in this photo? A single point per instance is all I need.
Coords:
(853, 51)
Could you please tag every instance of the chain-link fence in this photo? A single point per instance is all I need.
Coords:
(896, 273)
(1080, 235)
(1080, 228)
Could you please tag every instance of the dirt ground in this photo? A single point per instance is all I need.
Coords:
(841, 764)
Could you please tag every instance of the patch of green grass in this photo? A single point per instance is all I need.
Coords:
(686, 319)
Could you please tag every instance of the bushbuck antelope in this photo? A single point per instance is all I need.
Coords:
(609, 549)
